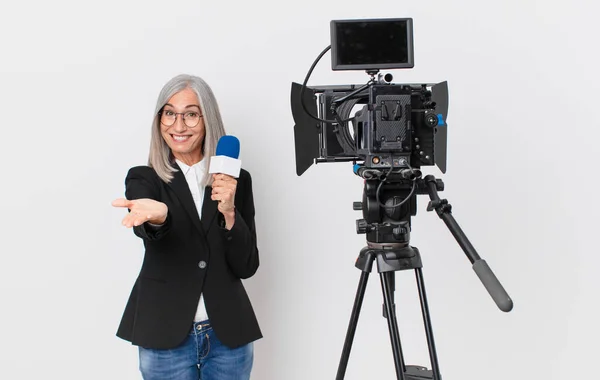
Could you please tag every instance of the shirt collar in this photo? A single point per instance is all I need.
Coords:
(184, 168)
(198, 168)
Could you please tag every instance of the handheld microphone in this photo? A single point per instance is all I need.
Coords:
(226, 159)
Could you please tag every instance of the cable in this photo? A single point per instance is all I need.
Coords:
(414, 185)
(312, 67)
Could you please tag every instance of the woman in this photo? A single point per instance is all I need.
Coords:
(188, 311)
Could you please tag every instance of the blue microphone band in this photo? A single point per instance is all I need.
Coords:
(228, 146)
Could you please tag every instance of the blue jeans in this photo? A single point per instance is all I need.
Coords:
(200, 356)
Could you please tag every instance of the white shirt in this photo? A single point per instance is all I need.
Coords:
(194, 176)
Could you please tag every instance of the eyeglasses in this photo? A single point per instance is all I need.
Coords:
(169, 117)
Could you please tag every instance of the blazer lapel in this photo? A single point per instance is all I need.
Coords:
(209, 209)
(181, 188)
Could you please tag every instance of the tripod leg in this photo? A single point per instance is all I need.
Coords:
(428, 328)
(360, 293)
(387, 281)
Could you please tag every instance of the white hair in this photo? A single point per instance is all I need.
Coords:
(160, 157)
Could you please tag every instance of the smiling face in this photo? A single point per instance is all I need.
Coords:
(184, 140)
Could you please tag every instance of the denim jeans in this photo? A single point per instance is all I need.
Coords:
(200, 356)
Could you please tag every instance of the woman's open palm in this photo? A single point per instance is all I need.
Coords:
(141, 211)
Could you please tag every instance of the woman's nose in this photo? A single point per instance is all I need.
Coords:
(179, 124)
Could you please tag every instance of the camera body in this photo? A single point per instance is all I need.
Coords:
(395, 126)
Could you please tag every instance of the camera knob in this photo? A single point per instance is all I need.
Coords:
(431, 120)
(357, 206)
(361, 226)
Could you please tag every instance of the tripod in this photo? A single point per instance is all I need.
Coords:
(388, 246)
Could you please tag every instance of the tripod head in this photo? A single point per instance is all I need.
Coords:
(388, 203)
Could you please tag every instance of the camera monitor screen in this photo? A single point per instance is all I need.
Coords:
(372, 44)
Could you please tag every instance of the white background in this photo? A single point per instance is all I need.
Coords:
(79, 82)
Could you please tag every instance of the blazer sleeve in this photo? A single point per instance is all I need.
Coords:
(142, 182)
(241, 250)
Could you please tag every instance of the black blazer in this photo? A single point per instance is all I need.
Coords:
(187, 256)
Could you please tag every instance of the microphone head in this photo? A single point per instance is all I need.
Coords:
(228, 146)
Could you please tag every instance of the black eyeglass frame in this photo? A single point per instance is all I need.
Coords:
(160, 113)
